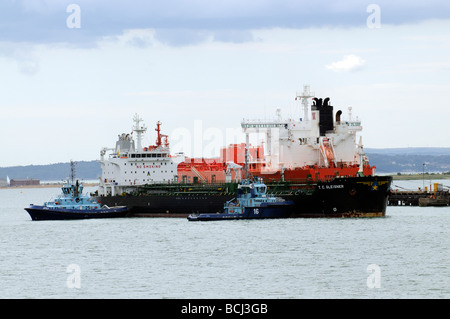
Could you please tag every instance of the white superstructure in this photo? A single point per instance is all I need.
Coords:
(130, 165)
(292, 143)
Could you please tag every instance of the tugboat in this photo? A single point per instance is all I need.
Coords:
(73, 204)
(252, 202)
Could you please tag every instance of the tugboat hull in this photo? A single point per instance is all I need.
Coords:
(46, 213)
(278, 210)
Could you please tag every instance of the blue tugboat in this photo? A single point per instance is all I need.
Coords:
(72, 204)
(251, 202)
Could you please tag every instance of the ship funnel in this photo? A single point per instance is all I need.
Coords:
(338, 116)
(317, 102)
(325, 114)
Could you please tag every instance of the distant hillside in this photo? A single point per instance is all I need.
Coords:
(410, 160)
(84, 170)
(387, 160)
(435, 151)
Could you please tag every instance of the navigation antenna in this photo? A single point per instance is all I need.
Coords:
(304, 96)
(139, 129)
(72, 171)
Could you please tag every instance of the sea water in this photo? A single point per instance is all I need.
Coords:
(403, 255)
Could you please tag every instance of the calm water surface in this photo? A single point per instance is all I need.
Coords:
(405, 255)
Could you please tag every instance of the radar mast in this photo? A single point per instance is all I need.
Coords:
(305, 95)
(139, 129)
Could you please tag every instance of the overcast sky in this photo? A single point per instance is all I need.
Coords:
(73, 76)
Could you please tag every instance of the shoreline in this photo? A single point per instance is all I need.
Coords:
(52, 185)
(420, 176)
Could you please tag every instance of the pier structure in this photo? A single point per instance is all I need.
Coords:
(436, 197)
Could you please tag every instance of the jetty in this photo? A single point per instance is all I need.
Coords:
(436, 197)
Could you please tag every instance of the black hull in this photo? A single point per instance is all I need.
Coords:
(345, 197)
(168, 205)
(269, 211)
(44, 213)
(342, 197)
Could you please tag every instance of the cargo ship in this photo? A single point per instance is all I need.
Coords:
(313, 161)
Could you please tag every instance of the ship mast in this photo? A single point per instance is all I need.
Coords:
(158, 130)
(361, 158)
(72, 171)
(247, 145)
(139, 131)
(305, 95)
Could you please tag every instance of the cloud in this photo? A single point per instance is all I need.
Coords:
(22, 55)
(348, 63)
(44, 21)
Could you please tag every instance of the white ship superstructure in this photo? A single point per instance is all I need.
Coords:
(130, 165)
(320, 138)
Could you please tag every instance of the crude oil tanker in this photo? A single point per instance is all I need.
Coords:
(313, 161)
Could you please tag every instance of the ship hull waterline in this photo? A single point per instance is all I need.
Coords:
(342, 197)
(265, 211)
(45, 213)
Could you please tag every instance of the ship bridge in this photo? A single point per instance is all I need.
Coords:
(318, 138)
(130, 164)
